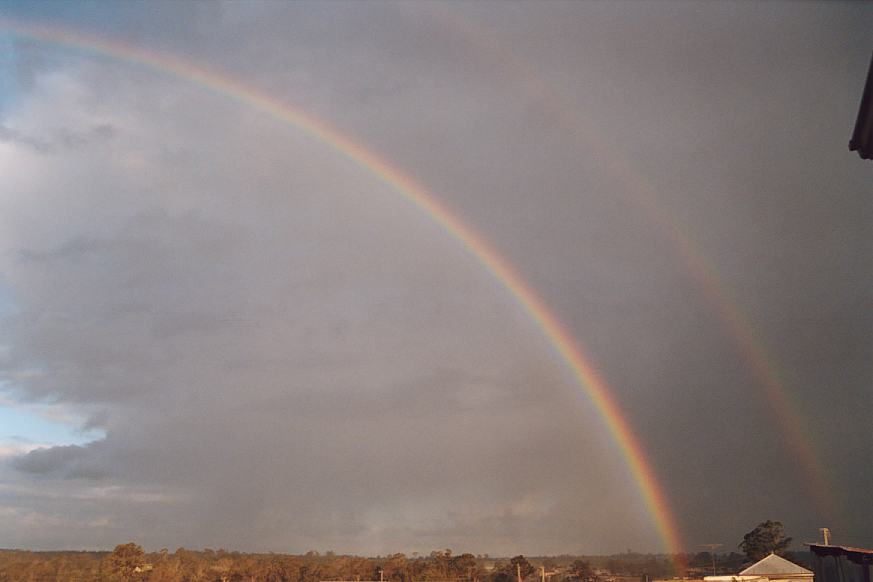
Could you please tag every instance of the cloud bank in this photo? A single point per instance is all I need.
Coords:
(286, 355)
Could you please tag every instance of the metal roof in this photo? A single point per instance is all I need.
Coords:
(862, 137)
(774, 565)
(857, 555)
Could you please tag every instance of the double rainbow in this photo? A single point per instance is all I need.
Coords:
(583, 372)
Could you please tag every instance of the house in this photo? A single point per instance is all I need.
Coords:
(773, 568)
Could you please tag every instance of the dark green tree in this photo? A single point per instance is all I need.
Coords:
(768, 537)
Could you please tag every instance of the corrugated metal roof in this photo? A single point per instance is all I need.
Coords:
(736, 578)
(823, 550)
(774, 565)
(862, 137)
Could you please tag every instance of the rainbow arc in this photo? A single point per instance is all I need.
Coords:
(567, 348)
(763, 368)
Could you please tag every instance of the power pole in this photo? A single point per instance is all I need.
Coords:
(711, 548)
(543, 573)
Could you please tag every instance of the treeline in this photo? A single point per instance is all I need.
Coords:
(129, 563)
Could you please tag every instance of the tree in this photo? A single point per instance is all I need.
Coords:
(768, 537)
(525, 567)
(443, 561)
(223, 569)
(125, 563)
(463, 565)
(396, 567)
(581, 569)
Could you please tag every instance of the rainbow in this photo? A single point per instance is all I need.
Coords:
(764, 369)
(570, 352)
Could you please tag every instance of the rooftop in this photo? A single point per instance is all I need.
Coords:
(774, 565)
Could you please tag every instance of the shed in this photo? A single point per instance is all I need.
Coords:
(841, 563)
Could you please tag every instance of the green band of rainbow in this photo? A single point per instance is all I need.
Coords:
(583, 372)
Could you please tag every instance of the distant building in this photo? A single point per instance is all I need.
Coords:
(773, 568)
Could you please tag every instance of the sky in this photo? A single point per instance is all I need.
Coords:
(218, 330)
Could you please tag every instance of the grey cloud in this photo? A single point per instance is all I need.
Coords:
(71, 139)
(60, 139)
(72, 249)
(9, 135)
(282, 350)
(65, 462)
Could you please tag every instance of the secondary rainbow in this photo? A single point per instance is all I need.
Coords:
(567, 348)
(763, 368)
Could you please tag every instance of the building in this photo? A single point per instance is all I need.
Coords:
(773, 568)
(841, 563)
(862, 137)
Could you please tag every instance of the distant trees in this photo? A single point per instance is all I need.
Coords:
(464, 565)
(509, 572)
(396, 567)
(700, 560)
(442, 562)
(520, 563)
(581, 569)
(128, 563)
(438, 566)
(768, 537)
(125, 564)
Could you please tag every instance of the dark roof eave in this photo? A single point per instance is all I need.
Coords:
(862, 136)
(856, 555)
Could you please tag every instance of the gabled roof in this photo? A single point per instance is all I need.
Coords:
(774, 565)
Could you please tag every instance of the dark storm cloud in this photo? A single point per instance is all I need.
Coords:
(281, 351)
(65, 462)
(47, 460)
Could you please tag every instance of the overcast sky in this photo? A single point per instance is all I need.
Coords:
(218, 331)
